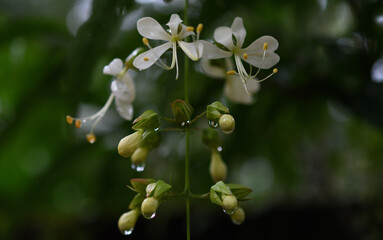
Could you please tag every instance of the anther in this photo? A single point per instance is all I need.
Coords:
(199, 28)
(190, 29)
(90, 137)
(265, 46)
(146, 59)
(145, 41)
(77, 123)
(245, 56)
(69, 119)
(275, 70)
(232, 72)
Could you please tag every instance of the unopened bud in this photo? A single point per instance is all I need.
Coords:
(217, 169)
(127, 221)
(229, 204)
(139, 156)
(129, 144)
(227, 123)
(149, 207)
(238, 216)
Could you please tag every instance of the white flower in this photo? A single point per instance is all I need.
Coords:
(122, 87)
(149, 28)
(260, 53)
(123, 90)
(233, 88)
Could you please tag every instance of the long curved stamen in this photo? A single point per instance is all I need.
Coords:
(275, 70)
(242, 72)
(175, 61)
(98, 116)
(263, 58)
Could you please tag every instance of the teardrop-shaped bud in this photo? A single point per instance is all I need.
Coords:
(128, 220)
(139, 156)
(229, 204)
(238, 216)
(149, 207)
(227, 123)
(217, 169)
(128, 145)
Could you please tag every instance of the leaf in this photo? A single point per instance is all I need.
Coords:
(221, 188)
(161, 189)
(139, 184)
(240, 191)
(214, 198)
(149, 120)
(182, 110)
(136, 201)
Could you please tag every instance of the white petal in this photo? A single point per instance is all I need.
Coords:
(269, 61)
(114, 67)
(235, 91)
(151, 55)
(239, 31)
(125, 109)
(183, 34)
(210, 51)
(123, 88)
(193, 50)
(255, 52)
(257, 45)
(173, 23)
(151, 29)
(224, 36)
(212, 70)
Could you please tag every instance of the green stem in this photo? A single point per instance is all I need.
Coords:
(186, 93)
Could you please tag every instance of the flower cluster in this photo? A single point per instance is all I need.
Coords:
(224, 59)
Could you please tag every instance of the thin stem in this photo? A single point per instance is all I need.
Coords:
(186, 93)
(197, 117)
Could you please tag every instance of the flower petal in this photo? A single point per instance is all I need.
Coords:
(257, 45)
(255, 52)
(224, 36)
(212, 70)
(114, 67)
(193, 50)
(148, 58)
(125, 109)
(239, 31)
(123, 88)
(235, 91)
(183, 34)
(151, 29)
(210, 51)
(173, 23)
(269, 61)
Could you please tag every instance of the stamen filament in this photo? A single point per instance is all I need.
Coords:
(271, 74)
(97, 114)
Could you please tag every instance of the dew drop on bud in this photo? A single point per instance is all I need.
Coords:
(149, 216)
(138, 167)
(127, 232)
(229, 212)
(213, 124)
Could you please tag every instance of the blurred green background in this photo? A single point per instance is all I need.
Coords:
(311, 147)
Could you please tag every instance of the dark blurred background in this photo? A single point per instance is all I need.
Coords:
(311, 147)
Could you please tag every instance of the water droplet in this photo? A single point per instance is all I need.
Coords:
(213, 124)
(138, 167)
(219, 149)
(229, 212)
(127, 232)
(184, 124)
(149, 216)
(377, 71)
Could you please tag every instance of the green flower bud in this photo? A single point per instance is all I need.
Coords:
(139, 156)
(182, 110)
(238, 216)
(129, 144)
(229, 204)
(218, 169)
(227, 123)
(149, 207)
(128, 220)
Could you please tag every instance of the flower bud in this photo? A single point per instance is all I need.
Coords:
(227, 123)
(218, 169)
(129, 144)
(139, 156)
(128, 220)
(229, 204)
(238, 216)
(149, 207)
